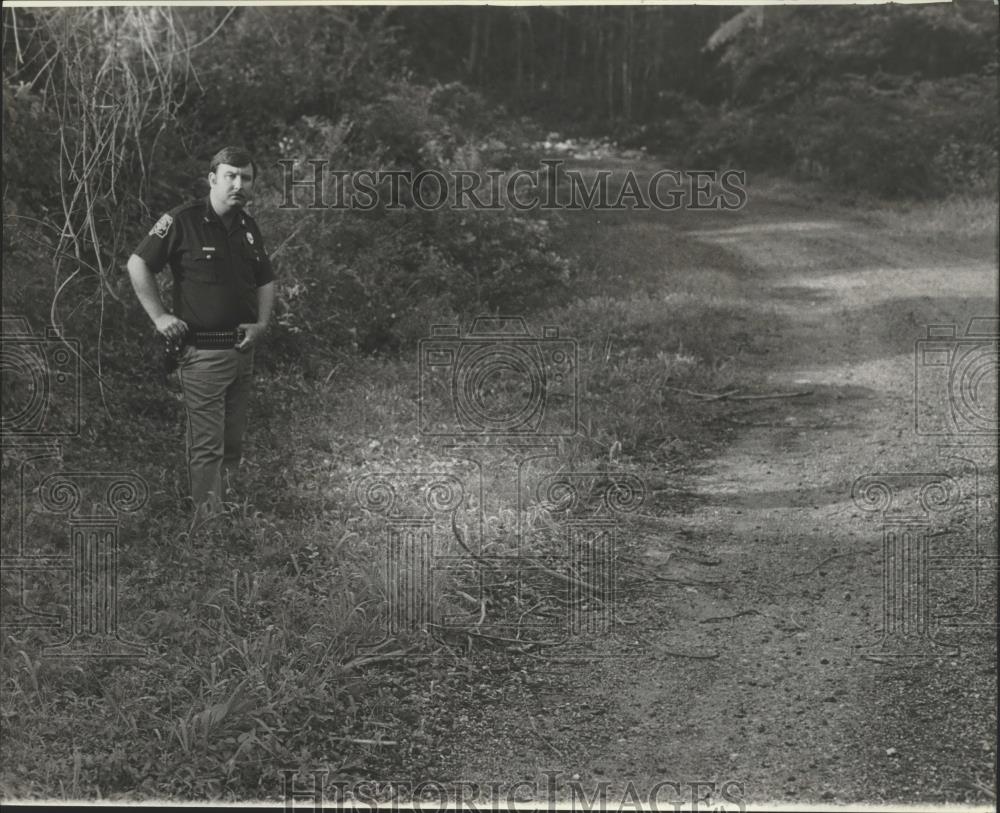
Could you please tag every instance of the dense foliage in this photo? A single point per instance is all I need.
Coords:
(322, 84)
(893, 100)
(110, 116)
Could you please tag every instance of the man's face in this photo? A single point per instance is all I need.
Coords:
(231, 187)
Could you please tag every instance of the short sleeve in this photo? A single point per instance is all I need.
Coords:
(157, 246)
(263, 271)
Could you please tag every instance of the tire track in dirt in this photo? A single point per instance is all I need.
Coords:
(789, 706)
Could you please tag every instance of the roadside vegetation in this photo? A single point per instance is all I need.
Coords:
(254, 623)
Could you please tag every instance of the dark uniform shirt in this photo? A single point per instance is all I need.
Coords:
(217, 271)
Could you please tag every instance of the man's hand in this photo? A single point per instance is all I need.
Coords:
(170, 327)
(167, 325)
(252, 334)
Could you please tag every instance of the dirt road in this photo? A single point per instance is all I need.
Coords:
(762, 678)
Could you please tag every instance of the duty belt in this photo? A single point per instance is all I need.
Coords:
(215, 339)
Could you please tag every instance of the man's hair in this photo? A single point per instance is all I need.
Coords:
(235, 157)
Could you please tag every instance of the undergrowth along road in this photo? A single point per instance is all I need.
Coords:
(747, 367)
(749, 658)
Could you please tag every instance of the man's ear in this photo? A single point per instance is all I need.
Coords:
(211, 179)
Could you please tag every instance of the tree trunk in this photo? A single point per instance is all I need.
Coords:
(472, 63)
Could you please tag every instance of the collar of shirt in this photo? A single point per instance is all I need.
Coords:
(211, 216)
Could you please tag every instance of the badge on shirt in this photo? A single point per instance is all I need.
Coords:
(249, 238)
(162, 226)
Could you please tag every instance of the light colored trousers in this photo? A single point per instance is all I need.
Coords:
(216, 386)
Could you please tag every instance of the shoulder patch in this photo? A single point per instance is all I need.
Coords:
(162, 226)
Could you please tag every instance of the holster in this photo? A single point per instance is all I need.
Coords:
(171, 354)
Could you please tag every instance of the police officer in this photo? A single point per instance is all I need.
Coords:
(223, 293)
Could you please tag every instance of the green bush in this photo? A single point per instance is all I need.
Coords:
(897, 102)
(377, 280)
(30, 175)
(888, 136)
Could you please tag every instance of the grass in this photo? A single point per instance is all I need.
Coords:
(959, 216)
(969, 218)
(254, 622)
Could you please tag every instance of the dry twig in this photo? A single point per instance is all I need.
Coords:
(727, 617)
(694, 656)
(732, 395)
(357, 663)
(812, 570)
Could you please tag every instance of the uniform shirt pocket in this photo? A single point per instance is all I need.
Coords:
(204, 267)
(251, 261)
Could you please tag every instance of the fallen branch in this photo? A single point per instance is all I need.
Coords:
(991, 792)
(707, 396)
(771, 395)
(692, 556)
(503, 639)
(773, 425)
(465, 547)
(786, 621)
(500, 638)
(591, 588)
(544, 739)
(656, 577)
(728, 617)
(688, 655)
(827, 559)
(285, 242)
(651, 517)
(732, 395)
(790, 621)
(696, 557)
(362, 741)
(366, 661)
